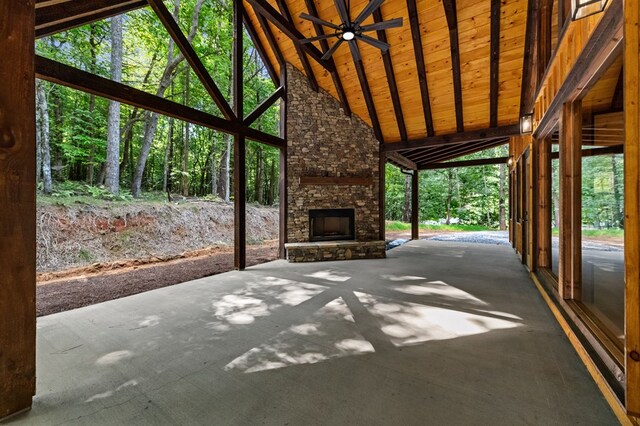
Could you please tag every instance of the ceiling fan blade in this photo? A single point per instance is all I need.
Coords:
(374, 42)
(333, 48)
(392, 23)
(320, 37)
(368, 10)
(319, 21)
(355, 52)
(342, 11)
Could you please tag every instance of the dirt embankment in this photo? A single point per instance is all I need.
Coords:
(121, 235)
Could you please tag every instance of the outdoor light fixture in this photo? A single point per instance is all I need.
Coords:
(510, 161)
(583, 8)
(526, 124)
(348, 35)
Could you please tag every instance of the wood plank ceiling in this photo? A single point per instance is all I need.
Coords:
(451, 69)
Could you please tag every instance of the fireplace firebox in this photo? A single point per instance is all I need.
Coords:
(331, 224)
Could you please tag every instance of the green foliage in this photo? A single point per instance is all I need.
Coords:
(403, 226)
(70, 189)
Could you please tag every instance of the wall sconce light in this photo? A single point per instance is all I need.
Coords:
(583, 8)
(510, 161)
(526, 124)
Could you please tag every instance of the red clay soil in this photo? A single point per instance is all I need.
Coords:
(97, 284)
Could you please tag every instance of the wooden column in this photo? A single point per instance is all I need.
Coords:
(543, 205)
(415, 206)
(284, 205)
(382, 195)
(18, 206)
(569, 279)
(239, 146)
(632, 203)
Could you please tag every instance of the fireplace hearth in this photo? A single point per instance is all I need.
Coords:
(331, 224)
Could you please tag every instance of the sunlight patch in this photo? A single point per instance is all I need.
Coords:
(328, 333)
(411, 323)
(329, 275)
(114, 357)
(402, 278)
(439, 288)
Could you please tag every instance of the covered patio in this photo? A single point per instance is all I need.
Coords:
(439, 333)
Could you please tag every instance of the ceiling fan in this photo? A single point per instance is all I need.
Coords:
(352, 30)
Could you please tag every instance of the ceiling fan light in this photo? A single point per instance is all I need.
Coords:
(348, 35)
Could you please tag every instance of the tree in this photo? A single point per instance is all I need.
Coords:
(43, 148)
(112, 162)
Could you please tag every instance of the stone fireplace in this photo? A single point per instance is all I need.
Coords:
(333, 179)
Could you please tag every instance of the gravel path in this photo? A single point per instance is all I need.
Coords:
(500, 238)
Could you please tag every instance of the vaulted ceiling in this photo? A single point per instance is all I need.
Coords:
(450, 83)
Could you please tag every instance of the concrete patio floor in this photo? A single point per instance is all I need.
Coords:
(438, 333)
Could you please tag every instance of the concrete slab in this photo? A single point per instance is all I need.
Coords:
(437, 333)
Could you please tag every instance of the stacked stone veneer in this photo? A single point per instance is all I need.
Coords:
(323, 142)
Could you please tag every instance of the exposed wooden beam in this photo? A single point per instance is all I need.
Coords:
(366, 91)
(601, 51)
(264, 8)
(391, 78)
(468, 136)
(442, 151)
(62, 74)
(528, 87)
(18, 212)
(257, 43)
(422, 73)
(324, 44)
(313, 82)
(495, 63)
(283, 196)
(271, 39)
(466, 163)
(400, 160)
(264, 105)
(192, 57)
(452, 22)
(382, 195)
(466, 150)
(415, 205)
(55, 18)
(239, 144)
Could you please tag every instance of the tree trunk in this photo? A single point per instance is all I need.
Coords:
(112, 166)
(502, 211)
(186, 142)
(259, 181)
(167, 77)
(449, 194)
(618, 215)
(214, 170)
(42, 136)
(224, 178)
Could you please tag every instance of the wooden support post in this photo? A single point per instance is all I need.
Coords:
(632, 203)
(18, 211)
(382, 194)
(543, 205)
(415, 206)
(239, 146)
(284, 204)
(569, 279)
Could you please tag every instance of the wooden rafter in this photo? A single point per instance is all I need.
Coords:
(400, 160)
(304, 60)
(265, 9)
(528, 88)
(52, 18)
(445, 154)
(468, 136)
(366, 91)
(391, 78)
(422, 73)
(257, 43)
(55, 72)
(465, 163)
(495, 62)
(324, 44)
(192, 57)
(271, 39)
(452, 22)
(264, 105)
